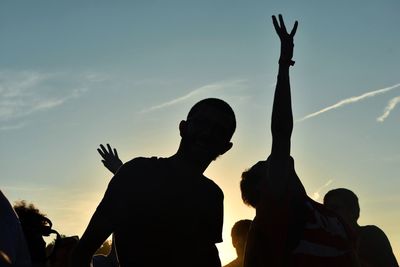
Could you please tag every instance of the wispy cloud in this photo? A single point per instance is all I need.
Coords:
(25, 92)
(12, 126)
(22, 188)
(207, 89)
(350, 100)
(316, 195)
(389, 107)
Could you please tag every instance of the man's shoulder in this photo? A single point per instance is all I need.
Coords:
(140, 161)
(211, 187)
(131, 171)
(372, 233)
(371, 229)
(138, 164)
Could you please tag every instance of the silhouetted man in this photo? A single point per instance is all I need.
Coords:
(289, 228)
(164, 211)
(373, 247)
(239, 236)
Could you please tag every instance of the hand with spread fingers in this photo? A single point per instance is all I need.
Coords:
(286, 40)
(110, 158)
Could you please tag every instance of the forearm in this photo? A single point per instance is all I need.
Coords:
(282, 117)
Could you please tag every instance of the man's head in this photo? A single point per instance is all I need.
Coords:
(239, 235)
(344, 202)
(208, 129)
(253, 177)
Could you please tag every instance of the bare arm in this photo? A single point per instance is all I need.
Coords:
(102, 223)
(282, 118)
(97, 231)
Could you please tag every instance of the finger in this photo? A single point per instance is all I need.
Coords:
(276, 25)
(283, 27)
(101, 153)
(115, 153)
(293, 32)
(103, 149)
(109, 149)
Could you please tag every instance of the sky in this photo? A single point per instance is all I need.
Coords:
(75, 74)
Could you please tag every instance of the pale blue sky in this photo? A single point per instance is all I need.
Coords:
(74, 75)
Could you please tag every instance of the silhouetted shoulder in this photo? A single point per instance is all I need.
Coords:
(374, 247)
(128, 184)
(134, 167)
(372, 236)
(213, 187)
(138, 162)
(372, 230)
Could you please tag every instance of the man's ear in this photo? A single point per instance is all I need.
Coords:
(226, 148)
(182, 128)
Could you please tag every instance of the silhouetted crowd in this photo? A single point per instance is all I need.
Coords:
(165, 212)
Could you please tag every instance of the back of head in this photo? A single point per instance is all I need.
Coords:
(251, 180)
(217, 105)
(239, 235)
(240, 229)
(250, 183)
(344, 202)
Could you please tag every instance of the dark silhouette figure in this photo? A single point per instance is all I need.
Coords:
(289, 228)
(35, 226)
(164, 211)
(13, 247)
(373, 247)
(239, 236)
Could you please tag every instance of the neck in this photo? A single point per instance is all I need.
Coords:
(189, 163)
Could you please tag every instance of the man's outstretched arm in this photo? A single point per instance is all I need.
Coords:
(282, 117)
(97, 231)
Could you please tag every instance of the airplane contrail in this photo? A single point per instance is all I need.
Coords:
(316, 195)
(390, 106)
(201, 90)
(350, 100)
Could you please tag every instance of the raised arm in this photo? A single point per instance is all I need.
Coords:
(282, 118)
(98, 230)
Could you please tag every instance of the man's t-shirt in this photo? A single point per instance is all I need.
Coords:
(162, 217)
(324, 241)
(299, 232)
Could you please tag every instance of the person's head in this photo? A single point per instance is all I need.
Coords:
(344, 202)
(208, 129)
(35, 225)
(252, 178)
(239, 235)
